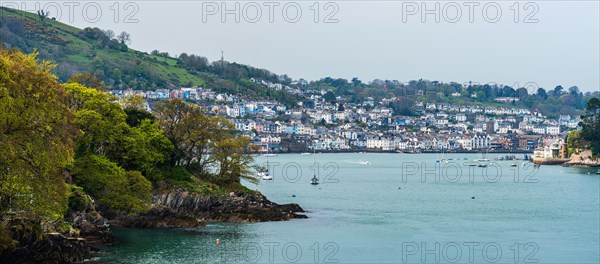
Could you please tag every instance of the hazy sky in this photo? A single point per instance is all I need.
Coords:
(372, 39)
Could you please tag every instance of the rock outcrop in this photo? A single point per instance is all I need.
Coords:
(177, 207)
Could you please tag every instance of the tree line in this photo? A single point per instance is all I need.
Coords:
(55, 136)
(551, 102)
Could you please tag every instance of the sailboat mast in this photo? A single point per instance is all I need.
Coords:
(315, 168)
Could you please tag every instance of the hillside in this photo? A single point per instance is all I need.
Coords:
(98, 52)
(106, 56)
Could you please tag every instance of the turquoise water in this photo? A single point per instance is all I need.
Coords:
(394, 210)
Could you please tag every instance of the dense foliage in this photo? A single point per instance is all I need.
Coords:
(194, 134)
(36, 137)
(551, 102)
(114, 151)
(590, 125)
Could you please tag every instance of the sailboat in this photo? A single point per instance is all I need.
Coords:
(266, 175)
(314, 180)
(483, 162)
(444, 159)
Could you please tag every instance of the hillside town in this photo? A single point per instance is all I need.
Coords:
(318, 125)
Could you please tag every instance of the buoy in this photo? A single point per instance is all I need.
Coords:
(472, 197)
(218, 241)
(293, 195)
(399, 188)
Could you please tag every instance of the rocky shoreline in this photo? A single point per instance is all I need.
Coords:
(179, 208)
(171, 208)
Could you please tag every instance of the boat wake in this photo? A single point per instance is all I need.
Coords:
(362, 162)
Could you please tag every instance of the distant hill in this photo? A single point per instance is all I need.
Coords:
(108, 57)
(101, 53)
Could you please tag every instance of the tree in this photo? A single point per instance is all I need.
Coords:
(124, 38)
(522, 93)
(106, 132)
(194, 134)
(542, 93)
(590, 125)
(134, 101)
(36, 137)
(88, 80)
(99, 116)
(557, 91)
(135, 116)
(42, 15)
(109, 34)
(191, 132)
(117, 190)
(234, 163)
(329, 97)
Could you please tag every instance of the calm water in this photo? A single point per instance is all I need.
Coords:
(395, 210)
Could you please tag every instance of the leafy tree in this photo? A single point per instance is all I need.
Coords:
(116, 190)
(135, 116)
(329, 97)
(191, 132)
(88, 80)
(234, 163)
(106, 132)
(590, 125)
(194, 134)
(36, 137)
(134, 101)
(143, 148)
(99, 116)
(542, 93)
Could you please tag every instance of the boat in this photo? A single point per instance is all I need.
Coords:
(483, 158)
(305, 153)
(482, 165)
(314, 180)
(266, 175)
(598, 172)
(365, 162)
(514, 165)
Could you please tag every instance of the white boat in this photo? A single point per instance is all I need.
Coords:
(598, 172)
(365, 162)
(305, 154)
(314, 180)
(270, 155)
(267, 176)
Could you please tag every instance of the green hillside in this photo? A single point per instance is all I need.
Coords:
(76, 50)
(100, 53)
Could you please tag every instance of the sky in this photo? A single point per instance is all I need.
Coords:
(531, 44)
